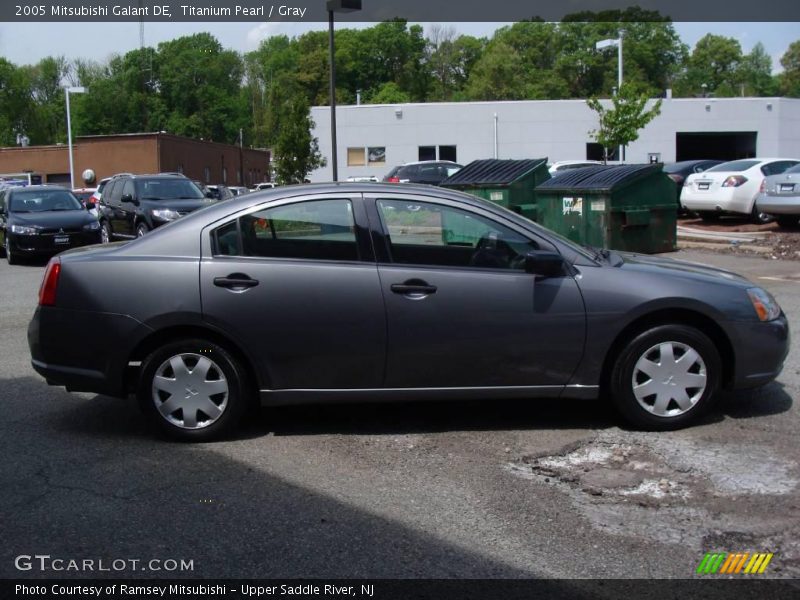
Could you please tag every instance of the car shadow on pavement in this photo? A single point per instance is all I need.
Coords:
(772, 399)
(119, 494)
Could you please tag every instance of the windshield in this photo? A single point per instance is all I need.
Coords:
(734, 165)
(168, 189)
(43, 200)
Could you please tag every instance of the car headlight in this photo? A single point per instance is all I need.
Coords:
(165, 214)
(93, 226)
(22, 230)
(764, 304)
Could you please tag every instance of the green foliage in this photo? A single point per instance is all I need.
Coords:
(790, 78)
(296, 151)
(620, 124)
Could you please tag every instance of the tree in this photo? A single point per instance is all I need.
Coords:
(755, 73)
(16, 103)
(790, 78)
(620, 125)
(296, 150)
(714, 68)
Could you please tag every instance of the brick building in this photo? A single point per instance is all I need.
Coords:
(209, 162)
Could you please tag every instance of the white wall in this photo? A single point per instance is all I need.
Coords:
(557, 129)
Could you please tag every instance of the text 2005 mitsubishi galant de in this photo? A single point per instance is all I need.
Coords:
(367, 292)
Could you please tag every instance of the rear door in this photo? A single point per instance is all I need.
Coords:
(295, 282)
(461, 310)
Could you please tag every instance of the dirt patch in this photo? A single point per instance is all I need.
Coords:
(778, 243)
(669, 489)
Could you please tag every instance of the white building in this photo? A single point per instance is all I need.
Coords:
(372, 138)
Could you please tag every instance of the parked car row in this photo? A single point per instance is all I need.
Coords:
(738, 187)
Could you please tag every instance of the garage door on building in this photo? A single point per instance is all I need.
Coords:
(719, 145)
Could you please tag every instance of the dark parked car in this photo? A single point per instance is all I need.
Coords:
(219, 192)
(133, 205)
(431, 172)
(377, 292)
(41, 220)
(679, 171)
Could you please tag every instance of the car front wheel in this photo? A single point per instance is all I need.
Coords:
(105, 233)
(666, 377)
(193, 390)
(142, 229)
(11, 258)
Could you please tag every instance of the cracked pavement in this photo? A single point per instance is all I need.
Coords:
(461, 489)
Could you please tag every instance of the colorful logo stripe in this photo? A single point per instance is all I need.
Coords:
(725, 563)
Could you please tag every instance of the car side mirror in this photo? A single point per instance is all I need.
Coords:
(90, 205)
(127, 198)
(544, 263)
(210, 195)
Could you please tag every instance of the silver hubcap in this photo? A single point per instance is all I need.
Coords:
(104, 234)
(669, 379)
(140, 232)
(190, 391)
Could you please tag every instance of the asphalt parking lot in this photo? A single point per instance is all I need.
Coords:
(467, 490)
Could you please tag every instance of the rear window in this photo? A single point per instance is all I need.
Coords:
(794, 169)
(734, 165)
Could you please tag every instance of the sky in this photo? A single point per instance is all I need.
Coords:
(27, 43)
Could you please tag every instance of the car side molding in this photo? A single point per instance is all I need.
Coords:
(321, 396)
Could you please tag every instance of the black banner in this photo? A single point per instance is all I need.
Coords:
(114, 589)
(446, 11)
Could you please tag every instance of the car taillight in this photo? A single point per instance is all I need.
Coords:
(47, 291)
(734, 181)
(763, 187)
(393, 180)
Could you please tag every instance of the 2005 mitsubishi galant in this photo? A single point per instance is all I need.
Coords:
(351, 292)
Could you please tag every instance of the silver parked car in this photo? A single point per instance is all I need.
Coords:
(780, 196)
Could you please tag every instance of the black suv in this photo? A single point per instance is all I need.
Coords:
(132, 205)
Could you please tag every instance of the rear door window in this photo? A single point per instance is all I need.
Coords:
(317, 230)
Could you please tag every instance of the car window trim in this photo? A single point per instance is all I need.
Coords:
(381, 236)
(361, 224)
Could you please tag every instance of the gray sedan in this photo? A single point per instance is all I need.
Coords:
(373, 292)
(780, 196)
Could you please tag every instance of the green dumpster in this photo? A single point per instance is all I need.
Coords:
(509, 183)
(627, 207)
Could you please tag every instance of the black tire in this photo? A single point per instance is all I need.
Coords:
(225, 369)
(11, 258)
(708, 216)
(142, 229)
(788, 221)
(758, 217)
(105, 232)
(643, 346)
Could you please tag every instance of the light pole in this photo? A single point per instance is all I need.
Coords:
(67, 92)
(610, 43)
(336, 6)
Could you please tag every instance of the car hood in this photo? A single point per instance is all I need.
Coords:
(51, 219)
(671, 267)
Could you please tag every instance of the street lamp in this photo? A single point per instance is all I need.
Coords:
(333, 6)
(611, 43)
(67, 92)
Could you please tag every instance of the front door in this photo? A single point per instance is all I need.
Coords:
(462, 311)
(297, 285)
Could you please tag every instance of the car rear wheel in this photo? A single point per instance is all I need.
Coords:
(758, 217)
(666, 377)
(142, 229)
(193, 390)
